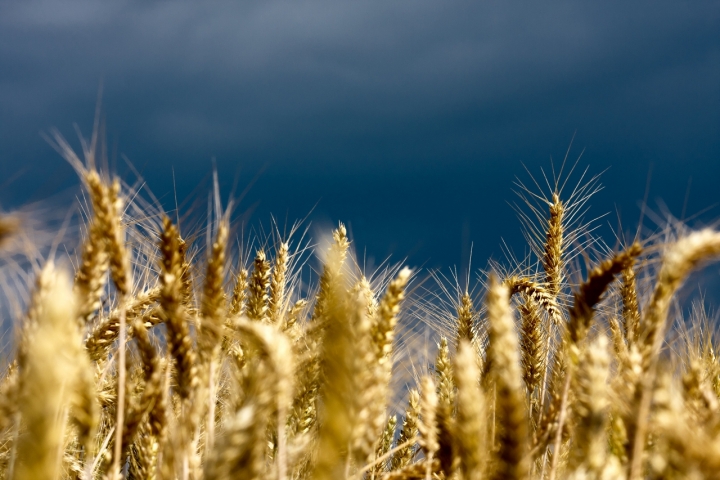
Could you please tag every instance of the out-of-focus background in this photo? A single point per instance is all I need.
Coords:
(408, 120)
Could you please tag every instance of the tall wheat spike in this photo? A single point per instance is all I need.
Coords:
(511, 458)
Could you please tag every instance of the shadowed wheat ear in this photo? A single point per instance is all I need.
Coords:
(533, 347)
(511, 460)
(679, 260)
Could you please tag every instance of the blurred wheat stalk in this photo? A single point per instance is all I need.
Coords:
(162, 360)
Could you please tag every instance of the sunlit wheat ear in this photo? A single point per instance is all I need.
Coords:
(212, 309)
(582, 312)
(259, 283)
(91, 274)
(103, 335)
(152, 388)
(470, 426)
(511, 459)
(369, 384)
(408, 434)
(427, 424)
(179, 342)
(363, 287)
(444, 379)
(48, 369)
(239, 297)
(630, 306)
(143, 455)
(679, 260)
(339, 375)
(465, 320)
(120, 269)
(537, 292)
(384, 444)
(276, 302)
(383, 329)
(333, 265)
(290, 325)
(275, 352)
(700, 399)
(589, 447)
(553, 261)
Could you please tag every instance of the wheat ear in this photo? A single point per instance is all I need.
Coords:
(678, 261)
(538, 293)
(427, 424)
(511, 459)
(276, 302)
(259, 282)
(581, 316)
(470, 427)
(465, 320)
(239, 297)
(554, 248)
(49, 362)
(179, 342)
(408, 433)
(589, 447)
(444, 377)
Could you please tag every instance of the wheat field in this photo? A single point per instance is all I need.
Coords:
(151, 351)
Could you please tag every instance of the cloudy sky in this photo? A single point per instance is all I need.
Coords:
(407, 119)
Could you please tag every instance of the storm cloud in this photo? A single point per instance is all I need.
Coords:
(407, 119)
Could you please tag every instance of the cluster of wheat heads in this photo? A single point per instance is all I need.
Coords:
(159, 359)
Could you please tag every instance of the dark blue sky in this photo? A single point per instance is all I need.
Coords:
(407, 119)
